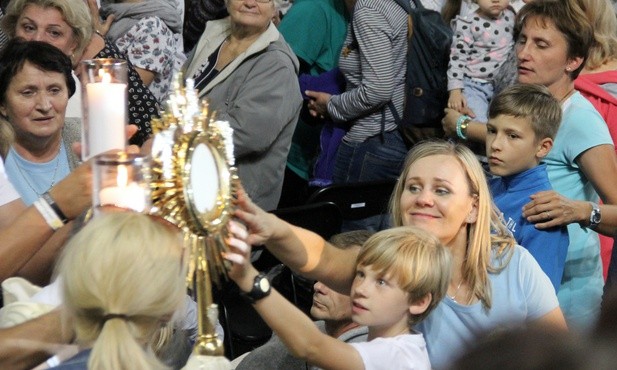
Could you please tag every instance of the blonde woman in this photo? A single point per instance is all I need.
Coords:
(442, 189)
(122, 280)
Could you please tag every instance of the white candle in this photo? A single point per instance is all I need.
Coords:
(106, 116)
(131, 195)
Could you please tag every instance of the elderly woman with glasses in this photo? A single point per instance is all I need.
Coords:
(243, 65)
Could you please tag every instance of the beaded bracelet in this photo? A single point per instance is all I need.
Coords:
(461, 126)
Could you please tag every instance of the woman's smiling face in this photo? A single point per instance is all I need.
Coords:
(437, 197)
(251, 13)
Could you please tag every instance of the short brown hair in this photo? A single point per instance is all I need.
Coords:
(569, 20)
(530, 101)
(350, 239)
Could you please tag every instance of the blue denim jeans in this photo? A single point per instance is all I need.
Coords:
(374, 159)
(478, 95)
(370, 160)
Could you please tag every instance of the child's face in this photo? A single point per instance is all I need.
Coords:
(492, 8)
(511, 145)
(378, 302)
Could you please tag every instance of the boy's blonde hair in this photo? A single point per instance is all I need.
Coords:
(122, 278)
(416, 259)
(533, 102)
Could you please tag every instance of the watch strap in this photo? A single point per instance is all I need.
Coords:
(257, 291)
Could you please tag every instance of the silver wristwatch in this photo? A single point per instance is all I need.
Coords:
(596, 216)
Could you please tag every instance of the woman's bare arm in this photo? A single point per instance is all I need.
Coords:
(300, 249)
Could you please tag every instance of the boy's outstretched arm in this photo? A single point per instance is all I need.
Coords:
(300, 249)
(295, 329)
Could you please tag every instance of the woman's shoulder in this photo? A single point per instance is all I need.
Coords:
(578, 109)
(520, 268)
(279, 51)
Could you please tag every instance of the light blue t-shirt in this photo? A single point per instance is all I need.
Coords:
(33, 179)
(520, 292)
(581, 128)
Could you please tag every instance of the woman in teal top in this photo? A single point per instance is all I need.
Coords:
(553, 40)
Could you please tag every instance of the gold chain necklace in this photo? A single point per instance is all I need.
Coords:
(23, 174)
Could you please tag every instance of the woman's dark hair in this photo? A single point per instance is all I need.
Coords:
(568, 19)
(41, 54)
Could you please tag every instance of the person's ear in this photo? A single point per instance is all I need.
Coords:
(544, 146)
(574, 63)
(3, 111)
(472, 217)
(420, 305)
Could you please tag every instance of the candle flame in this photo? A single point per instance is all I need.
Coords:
(105, 77)
(123, 176)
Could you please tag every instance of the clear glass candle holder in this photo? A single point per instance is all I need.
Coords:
(104, 105)
(121, 181)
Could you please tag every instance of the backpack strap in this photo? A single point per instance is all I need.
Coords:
(405, 4)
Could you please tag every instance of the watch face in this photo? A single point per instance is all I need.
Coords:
(596, 216)
(264, 284)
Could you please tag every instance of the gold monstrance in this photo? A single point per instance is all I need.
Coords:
(193, 184)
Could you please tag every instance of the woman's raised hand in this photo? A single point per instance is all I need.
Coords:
(100, 27)
(261, 225)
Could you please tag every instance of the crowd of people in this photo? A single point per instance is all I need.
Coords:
(500, 232)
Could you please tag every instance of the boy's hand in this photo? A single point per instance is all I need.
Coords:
(457, 100)
(242, 271)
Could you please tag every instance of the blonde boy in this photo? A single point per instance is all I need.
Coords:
(401, 275)
(523, 120)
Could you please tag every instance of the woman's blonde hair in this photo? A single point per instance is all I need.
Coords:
(415, 259)
(486, 238)
(601, 15)
(74, 12)
(122, 279)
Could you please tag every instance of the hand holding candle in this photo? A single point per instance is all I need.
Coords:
(121, 180)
